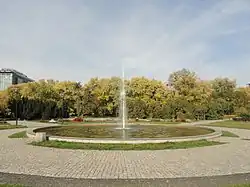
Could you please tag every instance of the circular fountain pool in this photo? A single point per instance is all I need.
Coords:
(133, 133)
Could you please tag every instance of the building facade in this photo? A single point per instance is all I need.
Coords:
(10, 77)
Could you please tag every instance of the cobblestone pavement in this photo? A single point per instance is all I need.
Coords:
(39, 181)
(18, 157)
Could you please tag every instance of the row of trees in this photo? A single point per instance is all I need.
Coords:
(185, 96)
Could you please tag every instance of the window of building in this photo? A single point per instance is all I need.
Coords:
(5, 80)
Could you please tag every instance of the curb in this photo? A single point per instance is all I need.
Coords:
(217, 133)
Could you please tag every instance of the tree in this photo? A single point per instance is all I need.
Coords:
(242, 99)
(3, 103)
(101, 97)
(224, 90)
(187, 98)
(150, 92)
(183, 81)
(215, 109)
(68, 96)
(136, 108)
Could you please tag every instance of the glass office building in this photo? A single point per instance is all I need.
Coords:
(9, 77)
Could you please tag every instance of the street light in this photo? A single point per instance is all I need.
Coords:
(16, 114)
(61, 94)
(62, 109)
(16, 90)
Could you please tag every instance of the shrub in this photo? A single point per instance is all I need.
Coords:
(181, 117)
(242, 117)
(241, 110)
(237, 119)
(245, 117)
(78, 119)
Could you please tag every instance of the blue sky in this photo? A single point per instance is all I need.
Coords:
(77, 40)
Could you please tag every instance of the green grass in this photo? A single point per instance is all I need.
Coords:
(8, 126)
(148, 146)
(240, 185)
(229, 134)
(11, 185)
(136, 131)
(19, 135)
(232, 124)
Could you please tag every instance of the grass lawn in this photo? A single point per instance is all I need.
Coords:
(149, 146)
(21, 134)
(231, 124)
(8, 126)
(136, 131)
(240, 185)
(229, 134)
(11, 185)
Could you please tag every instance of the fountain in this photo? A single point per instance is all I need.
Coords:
(138, 134)
(123, 121)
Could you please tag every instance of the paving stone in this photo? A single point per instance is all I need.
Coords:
(18, 157)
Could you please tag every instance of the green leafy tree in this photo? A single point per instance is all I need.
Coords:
(188, 97)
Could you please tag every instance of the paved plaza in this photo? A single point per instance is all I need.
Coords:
(17, 157)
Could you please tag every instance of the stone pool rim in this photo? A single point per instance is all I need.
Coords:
(216, 133)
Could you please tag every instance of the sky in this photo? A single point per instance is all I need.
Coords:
(77, 40)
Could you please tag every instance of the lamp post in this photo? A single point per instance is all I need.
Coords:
(61, 94)
(62, 109)
(16, 107)
(16, 114)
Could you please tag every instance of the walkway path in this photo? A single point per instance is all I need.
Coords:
(39, 181)
(18, 157)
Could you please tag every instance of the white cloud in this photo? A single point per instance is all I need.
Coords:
(62, 40)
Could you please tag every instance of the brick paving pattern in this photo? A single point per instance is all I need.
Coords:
(18, 157)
